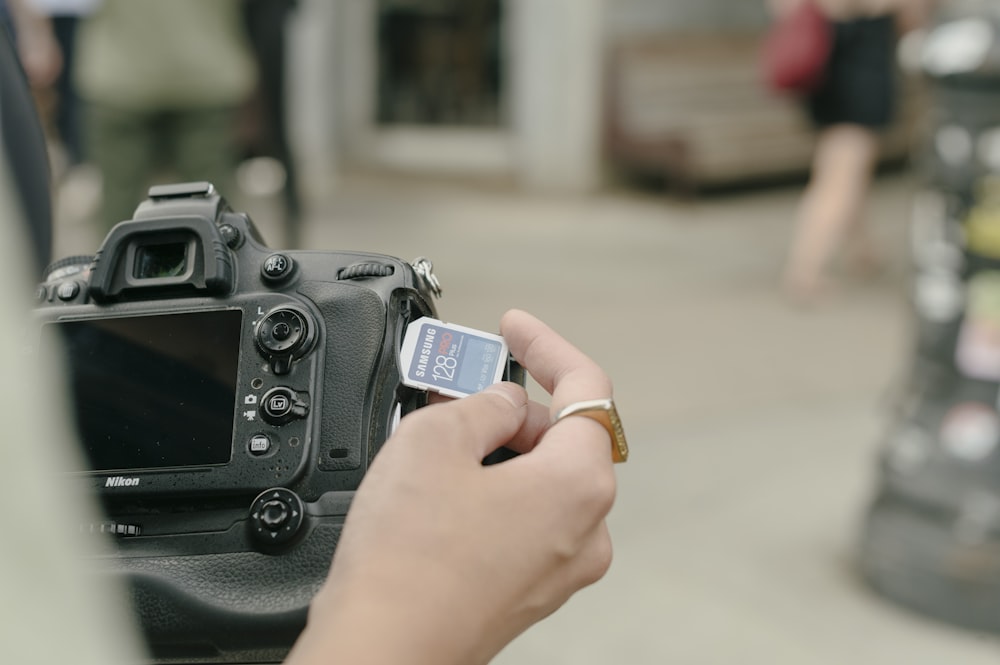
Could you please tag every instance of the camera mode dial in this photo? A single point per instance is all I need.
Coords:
(284, 335)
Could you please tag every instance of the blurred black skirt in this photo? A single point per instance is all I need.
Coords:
(859, 85)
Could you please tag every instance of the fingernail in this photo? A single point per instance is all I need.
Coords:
(511, 392)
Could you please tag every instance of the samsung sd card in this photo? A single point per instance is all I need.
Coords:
(449, 359)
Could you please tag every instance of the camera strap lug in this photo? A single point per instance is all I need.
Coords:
(424, 269)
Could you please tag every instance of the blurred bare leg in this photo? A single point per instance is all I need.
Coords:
(831, 206)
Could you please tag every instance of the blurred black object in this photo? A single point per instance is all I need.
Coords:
(931, 538)
(266, 24)
(22, 146)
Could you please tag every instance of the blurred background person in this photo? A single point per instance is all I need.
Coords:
(852, 106)
(267, 135)
(37, 48)
(162, 82)
(39, 58)
(63, 104)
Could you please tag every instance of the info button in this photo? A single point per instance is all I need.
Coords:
(259, 445)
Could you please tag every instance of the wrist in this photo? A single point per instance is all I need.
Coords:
(372, 628)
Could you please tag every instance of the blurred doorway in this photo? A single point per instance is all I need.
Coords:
(440, 62)
(468, 88)
(425, 85)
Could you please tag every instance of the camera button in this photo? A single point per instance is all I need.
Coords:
(276, 267)
(230, 235)
(281, 331)
(282, 405)
(260, 445)
(284, 335)
(68, 290)
(276, 517)
(274, 514)
(279, 405)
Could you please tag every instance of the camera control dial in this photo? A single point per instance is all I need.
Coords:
(284, 335)
(276, 516)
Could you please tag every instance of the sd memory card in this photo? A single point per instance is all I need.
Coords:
(450, 359)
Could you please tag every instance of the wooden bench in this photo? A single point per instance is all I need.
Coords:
(694, 110)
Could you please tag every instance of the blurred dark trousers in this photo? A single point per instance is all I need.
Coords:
(135, 149)
(68, 104)
(266, 21)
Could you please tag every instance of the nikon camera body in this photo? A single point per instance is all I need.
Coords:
(229, 399)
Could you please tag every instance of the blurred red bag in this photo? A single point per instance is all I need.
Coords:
(796, 50)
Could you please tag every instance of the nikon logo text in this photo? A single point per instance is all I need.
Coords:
(121, 481)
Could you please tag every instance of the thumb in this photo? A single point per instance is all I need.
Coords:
(475, 425)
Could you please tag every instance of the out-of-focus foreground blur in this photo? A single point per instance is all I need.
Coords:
(618, 169)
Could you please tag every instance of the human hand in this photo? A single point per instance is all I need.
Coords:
(443, 560)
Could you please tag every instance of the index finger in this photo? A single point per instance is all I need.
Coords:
(575, 444)
(564, 371)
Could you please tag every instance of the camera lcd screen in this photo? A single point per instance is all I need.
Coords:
(155, 391)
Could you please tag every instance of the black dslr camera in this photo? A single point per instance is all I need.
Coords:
(229, 399)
